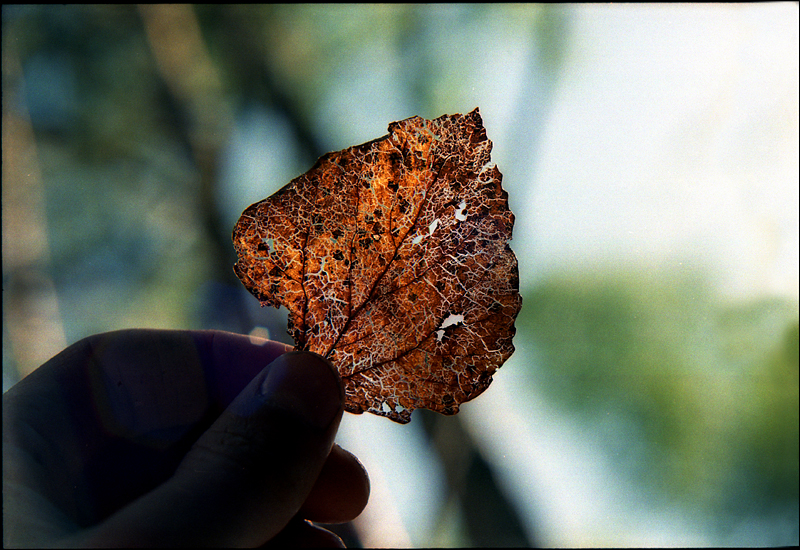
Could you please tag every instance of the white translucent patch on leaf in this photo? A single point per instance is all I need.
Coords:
(460, 213)
(386, 408)
(399, 408)
(451, 320)
(431, 228)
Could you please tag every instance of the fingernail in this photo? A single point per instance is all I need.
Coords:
(304, 384)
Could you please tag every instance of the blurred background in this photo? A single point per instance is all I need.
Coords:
(650, 153)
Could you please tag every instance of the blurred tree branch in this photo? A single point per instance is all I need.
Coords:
(490, 519)
(30, 307)
(257, 74)
(173, 33)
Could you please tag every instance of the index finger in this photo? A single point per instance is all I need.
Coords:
(231, 360)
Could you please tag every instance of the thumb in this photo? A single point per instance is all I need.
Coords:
(248, 475)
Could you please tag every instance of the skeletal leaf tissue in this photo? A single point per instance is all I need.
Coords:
(392, 258)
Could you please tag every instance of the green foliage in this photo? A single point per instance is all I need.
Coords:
(707, 392)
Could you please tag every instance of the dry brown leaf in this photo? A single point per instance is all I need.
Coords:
(392, 258)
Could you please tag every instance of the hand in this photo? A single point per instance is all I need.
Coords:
(177, 438)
